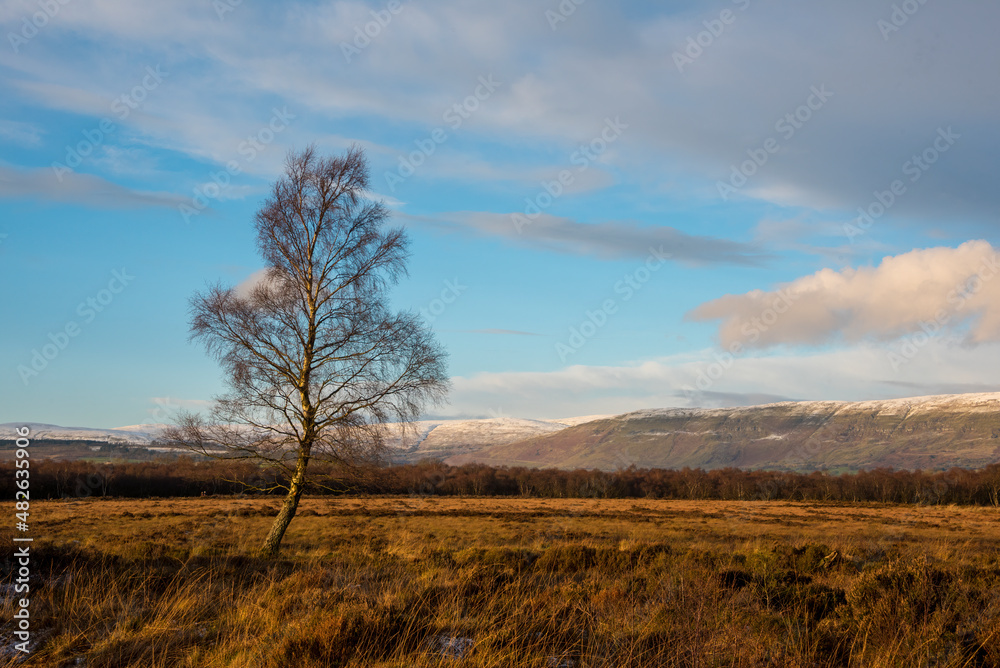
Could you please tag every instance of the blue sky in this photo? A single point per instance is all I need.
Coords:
(612, 206)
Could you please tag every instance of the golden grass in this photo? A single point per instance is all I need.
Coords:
(484, 582)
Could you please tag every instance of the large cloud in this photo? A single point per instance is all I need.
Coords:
(932, 289)
(892, 91)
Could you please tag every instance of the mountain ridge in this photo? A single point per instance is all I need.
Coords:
(933, 431)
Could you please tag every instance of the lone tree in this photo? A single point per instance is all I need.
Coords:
(316, 362)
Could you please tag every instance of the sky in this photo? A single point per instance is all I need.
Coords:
(611, 206)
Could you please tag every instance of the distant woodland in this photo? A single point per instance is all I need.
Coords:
(53, 479)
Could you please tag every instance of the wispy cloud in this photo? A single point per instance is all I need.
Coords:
(611, 62)
(84, 189)
(614, 240)
(499, 331)
(24, 134)
(820, 238)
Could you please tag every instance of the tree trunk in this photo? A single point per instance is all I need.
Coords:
(273, 541)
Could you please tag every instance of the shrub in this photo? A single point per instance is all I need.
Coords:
(899, 591)
(568, 558)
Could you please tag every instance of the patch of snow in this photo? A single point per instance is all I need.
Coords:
(980, 401)
(454, 647)
(140, 435)
(574, 421)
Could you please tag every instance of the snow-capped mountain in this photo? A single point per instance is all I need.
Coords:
(426, 438)
(932, 432)
(139, 434)
(443, 438)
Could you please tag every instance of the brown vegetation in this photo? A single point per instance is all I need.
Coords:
(429, 581)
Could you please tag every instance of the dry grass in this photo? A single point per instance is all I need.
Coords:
(514, 582)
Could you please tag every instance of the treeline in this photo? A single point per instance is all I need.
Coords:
(186, 477)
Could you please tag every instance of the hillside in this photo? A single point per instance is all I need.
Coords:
(136, 435)
(445, 438)
(932, 433)
(436, 439)
(935, 432)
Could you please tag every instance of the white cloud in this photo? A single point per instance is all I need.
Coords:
(946, 288)
(248, 284)
(710, 378)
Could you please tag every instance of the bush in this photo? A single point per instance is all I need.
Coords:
(568, 558)
(807, 559)
(903, 591)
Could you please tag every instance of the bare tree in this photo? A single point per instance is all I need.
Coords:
(315, 361)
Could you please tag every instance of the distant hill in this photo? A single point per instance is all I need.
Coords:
(141, 434)
(935, 432)
(435, 439)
